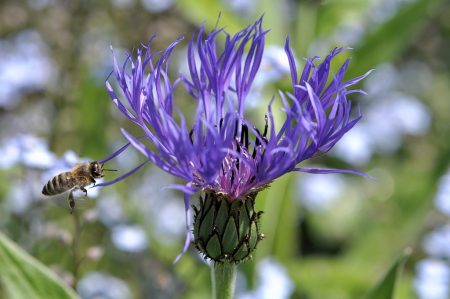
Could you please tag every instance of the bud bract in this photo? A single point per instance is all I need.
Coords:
(226, 230)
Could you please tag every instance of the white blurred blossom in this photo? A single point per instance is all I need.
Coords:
(27, 149)
(442, 198)
(122, 3)
(355, 147)
(157, 5)
(110, 210)
(385, 77)
(129, 238)
(274, 65)
(432, 280)
(20, 58)
(273, 282)
(437, 242)
(242, 7)
(391, 114)
(319, 192)
(382, 10)
(98, 285)
(162, 208)
(19, 197)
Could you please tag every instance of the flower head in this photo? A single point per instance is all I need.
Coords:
(222, 152)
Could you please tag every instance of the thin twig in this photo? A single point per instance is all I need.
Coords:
(77, 260)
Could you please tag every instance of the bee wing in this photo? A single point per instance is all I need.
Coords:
(58, 200)
(81, 202)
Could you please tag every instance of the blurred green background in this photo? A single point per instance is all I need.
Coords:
(327, 236)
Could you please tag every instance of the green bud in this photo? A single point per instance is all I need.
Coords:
(226, 230)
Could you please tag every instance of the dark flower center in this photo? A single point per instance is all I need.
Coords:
(238, 171)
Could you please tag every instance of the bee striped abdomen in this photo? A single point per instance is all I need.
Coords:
(58, 184)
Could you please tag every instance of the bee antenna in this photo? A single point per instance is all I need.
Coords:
(110, 169)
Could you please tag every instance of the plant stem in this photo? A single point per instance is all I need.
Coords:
(76, 247)
(223, 276)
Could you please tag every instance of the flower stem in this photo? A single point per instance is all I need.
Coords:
(77, 259)
(223, 276)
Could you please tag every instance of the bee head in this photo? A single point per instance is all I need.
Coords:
(96, 169)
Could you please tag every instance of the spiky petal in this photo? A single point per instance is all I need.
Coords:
(222, 152)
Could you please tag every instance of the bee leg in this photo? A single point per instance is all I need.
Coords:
(84, 190)
(71, 202)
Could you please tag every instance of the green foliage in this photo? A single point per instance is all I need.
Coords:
(386, 287)
(390, 39)
(224, 231)
(373, 221)
(23, 277)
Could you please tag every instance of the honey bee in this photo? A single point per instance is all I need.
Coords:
(79, 177)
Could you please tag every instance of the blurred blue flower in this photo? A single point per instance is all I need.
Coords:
(384, 78)
(349, 33)
(433, 274)
(437, 242)
(157, 5)
(395, 116)
(442, 198)
(28, 149)
(98, 285)
(274, 65)
(163, 221)
(129, 238)
(273, 282)
(122, 3)
(391, 114)
(242, 7)
(39, 4)
(162, 206)
(222, 151)
(382, 10)
(25, 52)
(9, 154)
(110, 210)
(432, 280)
(19, 198)
(318, 193)
(356, 147)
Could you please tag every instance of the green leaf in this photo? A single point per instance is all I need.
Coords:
(386, 287)
(24, 277)
(277, 221)
(199, 11)
(389, 40)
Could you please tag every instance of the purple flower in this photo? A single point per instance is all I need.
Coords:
(222, 151)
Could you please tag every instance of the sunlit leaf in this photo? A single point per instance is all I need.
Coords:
(386, 287)
(199, 11)
(23, 277)
(391, 38)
